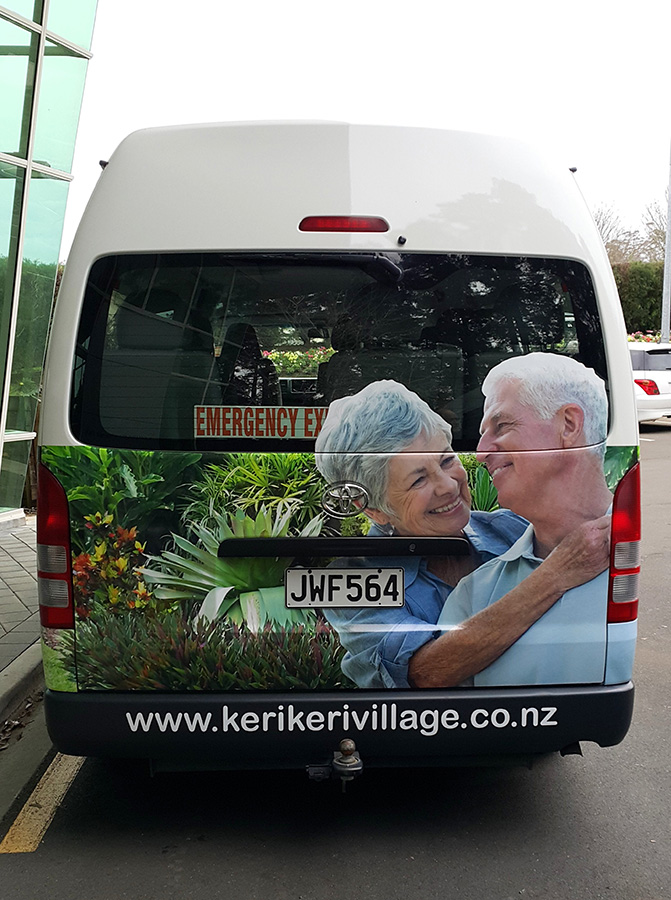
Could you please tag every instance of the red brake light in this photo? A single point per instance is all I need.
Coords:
(54, 567)
(625, 548)
(344, 223)
(649, 386)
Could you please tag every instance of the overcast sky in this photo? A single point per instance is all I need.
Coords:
(591, 78)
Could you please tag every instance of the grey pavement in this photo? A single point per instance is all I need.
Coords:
(19, 616)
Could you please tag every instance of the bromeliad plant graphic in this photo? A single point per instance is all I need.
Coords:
(245, 590)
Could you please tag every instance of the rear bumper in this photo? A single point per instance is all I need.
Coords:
(649, 409)
(295, 730)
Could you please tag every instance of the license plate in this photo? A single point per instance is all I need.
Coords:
(343, 588)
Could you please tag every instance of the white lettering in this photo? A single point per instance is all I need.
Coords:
(525, 715)
(383, 717)
(449, 719)
(139, 721)
(408, 720)
(295, 719)
(500, 718)
(429, 720)
(249, 721)
(168, 721)
(360, 722)
(549, 712)
(475, 718)
(315, 720)
(227, 720)
(196, 721)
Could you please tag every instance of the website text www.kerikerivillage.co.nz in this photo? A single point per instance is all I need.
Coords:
(379, 717)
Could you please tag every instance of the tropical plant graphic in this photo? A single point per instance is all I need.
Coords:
(251, 481)
(108, 577)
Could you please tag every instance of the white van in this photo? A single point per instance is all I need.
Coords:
(277, 510)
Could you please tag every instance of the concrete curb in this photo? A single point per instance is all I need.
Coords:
(20, 678)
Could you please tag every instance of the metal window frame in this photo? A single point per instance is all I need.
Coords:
(30, 168)
(39, 28)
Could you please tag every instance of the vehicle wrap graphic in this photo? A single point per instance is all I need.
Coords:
(157, 607)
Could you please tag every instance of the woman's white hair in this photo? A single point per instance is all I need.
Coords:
(548, 381)
(382, 418)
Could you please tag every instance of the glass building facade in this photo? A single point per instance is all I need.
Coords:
(44, 53)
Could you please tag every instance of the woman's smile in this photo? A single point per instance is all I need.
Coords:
(447, 509)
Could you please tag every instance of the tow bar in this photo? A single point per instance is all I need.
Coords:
(346, 765)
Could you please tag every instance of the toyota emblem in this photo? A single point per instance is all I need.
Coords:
(344, 499)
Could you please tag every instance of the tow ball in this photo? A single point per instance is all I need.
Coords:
(346, 765)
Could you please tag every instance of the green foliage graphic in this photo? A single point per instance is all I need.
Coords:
(130, 653)
(617, 463)
(249, 481)
(483, 493)
(131, 486)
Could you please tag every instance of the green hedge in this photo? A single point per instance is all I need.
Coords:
(640, 288)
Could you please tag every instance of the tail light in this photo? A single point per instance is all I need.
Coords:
(54, 568)
(648, 385)
(625, 549)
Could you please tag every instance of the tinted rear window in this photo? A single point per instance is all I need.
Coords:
(651, 360)
(218, 351)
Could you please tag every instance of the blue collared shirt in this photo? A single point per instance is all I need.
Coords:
(567, 645)
(379, 643)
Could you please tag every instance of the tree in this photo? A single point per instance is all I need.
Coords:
(654, 231)
(622, 245)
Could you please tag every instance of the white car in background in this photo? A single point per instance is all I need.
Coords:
(652, 380)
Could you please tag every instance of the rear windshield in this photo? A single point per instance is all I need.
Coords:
(245, 352)
(651, 360)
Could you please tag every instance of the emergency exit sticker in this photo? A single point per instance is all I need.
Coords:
(258, 421)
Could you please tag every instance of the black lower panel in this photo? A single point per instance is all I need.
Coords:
(294, 730)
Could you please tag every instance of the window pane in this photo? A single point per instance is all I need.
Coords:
(11, 190)
(60, 100)
(13, 474)
(658, 361)
(18, 53)
(46, 211)
(264, 339)
(73, 20)
(29, 9)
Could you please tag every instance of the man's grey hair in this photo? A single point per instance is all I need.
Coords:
(548, 381)
(382, 418)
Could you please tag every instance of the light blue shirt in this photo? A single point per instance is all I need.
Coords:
(380, 642)
(567, 645)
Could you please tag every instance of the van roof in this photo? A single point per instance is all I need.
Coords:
(247, 186)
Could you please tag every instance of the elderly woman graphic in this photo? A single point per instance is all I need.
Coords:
(390, 441)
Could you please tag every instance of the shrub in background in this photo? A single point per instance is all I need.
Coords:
(639, 285)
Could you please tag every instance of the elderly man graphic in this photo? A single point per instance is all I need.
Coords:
(543, 442)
